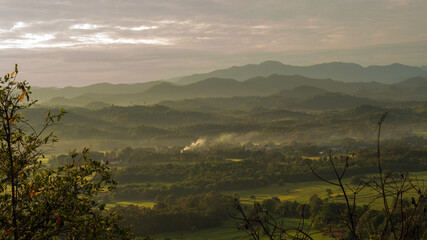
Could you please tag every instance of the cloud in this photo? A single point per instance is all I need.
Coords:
(16, 26)
(85, 26)
(19, 25)
(103, 38)
(65, 34)
(225, 25)
(28, 40)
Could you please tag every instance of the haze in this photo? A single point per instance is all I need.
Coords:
(76, 43)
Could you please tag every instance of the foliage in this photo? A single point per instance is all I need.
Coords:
(144, 173)
(172, 214)
(37, 203)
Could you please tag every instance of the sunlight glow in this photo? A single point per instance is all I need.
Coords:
(102, 38)
(19, 25)
(85, 26)
(140, 28)
(30, 40)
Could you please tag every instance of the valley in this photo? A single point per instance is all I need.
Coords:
(186, 152)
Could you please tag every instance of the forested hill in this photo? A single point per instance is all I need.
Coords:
(228, 123)
(298, 100)
(346, 72)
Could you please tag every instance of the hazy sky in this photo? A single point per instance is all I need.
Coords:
(76, 42)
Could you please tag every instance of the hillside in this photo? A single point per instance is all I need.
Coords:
(308, 101)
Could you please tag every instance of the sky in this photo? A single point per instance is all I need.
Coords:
(77, 43)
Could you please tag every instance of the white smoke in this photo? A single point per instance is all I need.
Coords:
(199, 143)
(225, 138)
(236, 138)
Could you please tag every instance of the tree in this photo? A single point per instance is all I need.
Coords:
(40, 203)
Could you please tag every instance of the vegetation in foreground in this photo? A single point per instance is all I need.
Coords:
(40, 203)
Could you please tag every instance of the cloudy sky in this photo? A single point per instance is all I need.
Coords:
(76, 42)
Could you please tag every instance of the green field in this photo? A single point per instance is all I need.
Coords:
(302, 191)
(421, 134)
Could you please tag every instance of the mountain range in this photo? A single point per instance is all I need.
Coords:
(215, 85)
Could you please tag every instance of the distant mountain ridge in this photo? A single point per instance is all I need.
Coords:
(345, 72)
(248, 81)
(43, 94)
(212, 87)
(413, 89)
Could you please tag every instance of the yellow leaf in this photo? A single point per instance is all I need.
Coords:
(32, 193)
(11, 75)
(21, 98)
